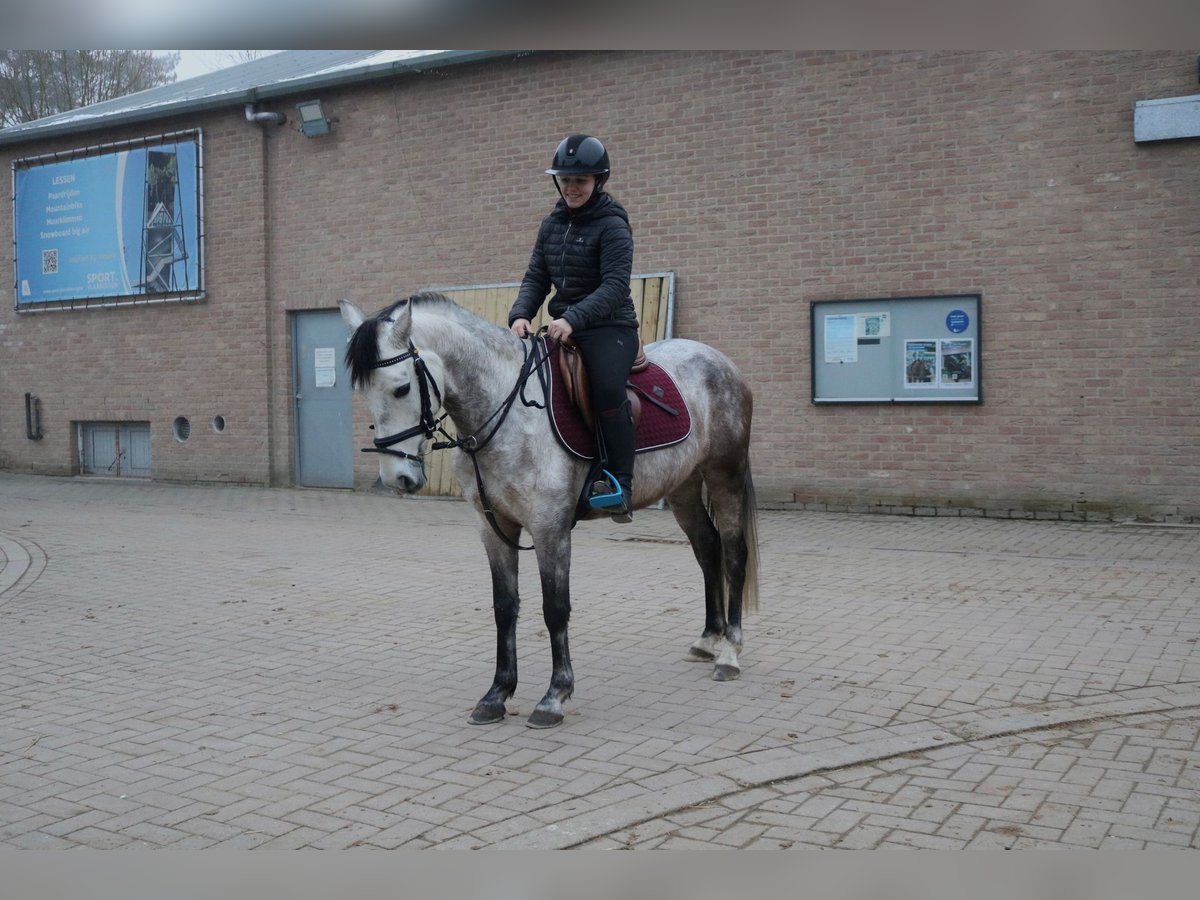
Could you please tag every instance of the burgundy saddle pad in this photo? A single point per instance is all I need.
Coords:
(658, 427)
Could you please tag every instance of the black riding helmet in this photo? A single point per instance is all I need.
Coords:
(581, 154)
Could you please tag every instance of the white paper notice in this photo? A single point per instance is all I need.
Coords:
(325, 366)
(874, 325)
(841, 345)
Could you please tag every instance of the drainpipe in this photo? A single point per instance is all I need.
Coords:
(252, 115)
(261, 118)
(33, 418)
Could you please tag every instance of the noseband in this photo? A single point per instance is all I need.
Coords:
(428, 425)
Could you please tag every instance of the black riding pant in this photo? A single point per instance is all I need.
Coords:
(608, 352)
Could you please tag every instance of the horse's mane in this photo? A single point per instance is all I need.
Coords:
(362, 353)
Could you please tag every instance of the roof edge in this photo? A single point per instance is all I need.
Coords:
(318, 81)
(379, 70)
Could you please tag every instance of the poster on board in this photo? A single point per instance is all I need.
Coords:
(920, 364)
(840, 344)
(957, 362)
(121, 222)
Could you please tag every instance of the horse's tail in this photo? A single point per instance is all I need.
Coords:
(749, 520)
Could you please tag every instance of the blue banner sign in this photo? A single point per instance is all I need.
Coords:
(118, 224)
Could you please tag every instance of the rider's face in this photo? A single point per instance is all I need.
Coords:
(576, 189)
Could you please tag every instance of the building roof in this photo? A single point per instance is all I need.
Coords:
(278, 75)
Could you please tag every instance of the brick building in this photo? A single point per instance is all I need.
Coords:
(764, 182)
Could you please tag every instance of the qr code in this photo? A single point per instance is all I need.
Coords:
(49, 262)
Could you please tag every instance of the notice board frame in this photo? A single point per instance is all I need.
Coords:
(915, 349)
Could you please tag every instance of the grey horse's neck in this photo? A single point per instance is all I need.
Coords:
(481, 362)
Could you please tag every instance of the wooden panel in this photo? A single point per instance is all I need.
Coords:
(650, 295)
(652, 315)
(637, 291)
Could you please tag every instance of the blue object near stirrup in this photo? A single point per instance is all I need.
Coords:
(613, 497)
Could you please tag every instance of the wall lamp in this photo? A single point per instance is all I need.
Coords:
(313, 121)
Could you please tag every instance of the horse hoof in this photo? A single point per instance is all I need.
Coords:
(704, 649)
(726, 673)
(487, 713)
(544, 718)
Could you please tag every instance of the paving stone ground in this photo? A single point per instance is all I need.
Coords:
(236, 667)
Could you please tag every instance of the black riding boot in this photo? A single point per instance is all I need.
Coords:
(616, 430)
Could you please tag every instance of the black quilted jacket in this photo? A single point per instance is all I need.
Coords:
(588, 258)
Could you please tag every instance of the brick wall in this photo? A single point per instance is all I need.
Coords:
(765, 181)
(155, 363)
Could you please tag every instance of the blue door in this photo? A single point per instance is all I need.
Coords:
(324, 420)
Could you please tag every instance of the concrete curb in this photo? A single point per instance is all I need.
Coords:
(802, 760)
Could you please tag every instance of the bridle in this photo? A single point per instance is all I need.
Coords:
(429, 425)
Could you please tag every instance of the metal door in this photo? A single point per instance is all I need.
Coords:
(99, 454)
(135, 450)
(115, 449)
(321, 382)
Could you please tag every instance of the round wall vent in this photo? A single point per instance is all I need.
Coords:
(182, 429)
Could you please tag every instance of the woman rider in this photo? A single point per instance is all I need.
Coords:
(584, 249)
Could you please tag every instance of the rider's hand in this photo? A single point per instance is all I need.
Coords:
(559, 330)
(520, 327)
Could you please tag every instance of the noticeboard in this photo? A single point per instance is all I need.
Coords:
(897, 350)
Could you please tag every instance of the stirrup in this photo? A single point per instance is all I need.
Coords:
(606, 492)
(607, 495)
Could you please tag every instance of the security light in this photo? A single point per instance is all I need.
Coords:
(313, 121)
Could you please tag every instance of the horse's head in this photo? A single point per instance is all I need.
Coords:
(401, 391)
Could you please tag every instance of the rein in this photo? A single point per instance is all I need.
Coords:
(472, 443)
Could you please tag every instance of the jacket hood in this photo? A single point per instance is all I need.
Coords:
(597, 208)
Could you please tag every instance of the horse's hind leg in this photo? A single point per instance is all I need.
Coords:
(687, 505)
(502, 559)
(731, 501)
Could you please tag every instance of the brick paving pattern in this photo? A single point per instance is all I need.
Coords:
(193, 667)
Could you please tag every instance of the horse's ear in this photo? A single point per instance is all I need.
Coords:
(401, 316)
(351, 314)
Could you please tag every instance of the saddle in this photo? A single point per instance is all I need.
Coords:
(661, 415)
(575, 381)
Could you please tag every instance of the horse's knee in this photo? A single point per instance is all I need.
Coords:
(505, 609)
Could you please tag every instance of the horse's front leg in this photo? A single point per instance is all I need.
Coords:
(554, 564)
(506, 603)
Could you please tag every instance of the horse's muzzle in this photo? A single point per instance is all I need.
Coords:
(406, 484)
